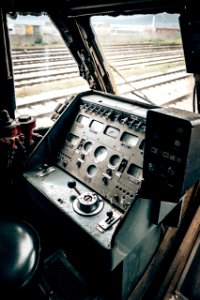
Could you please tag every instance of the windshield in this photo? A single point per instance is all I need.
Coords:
(144, 52)
(146, 56)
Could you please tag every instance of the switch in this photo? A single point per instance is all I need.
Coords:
(124, 121)
(171, 171)
(45, 166)
(109, 214)
(151, 167)
(131, 122)
(107, 115)
(105, 180)
(111, 218)
(78, 164)
(138, 125)
(122, 166)
(109, 172)
(97, 111)
(117, 198)
(117, 117)
(82, 156)
(92, 108)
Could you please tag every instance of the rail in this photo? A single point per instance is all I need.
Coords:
(34, 67)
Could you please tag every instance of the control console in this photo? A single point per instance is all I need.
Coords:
(90, 163)
(104, 148)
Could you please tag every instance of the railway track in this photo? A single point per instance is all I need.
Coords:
(167, 89)
(55, 73)
(38, 66)
(32, 57)
(22, 66)
(123, 48)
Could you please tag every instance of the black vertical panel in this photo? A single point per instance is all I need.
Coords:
(190, 32)
(7, 97)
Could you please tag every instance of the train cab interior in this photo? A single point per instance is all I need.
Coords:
(103, 203)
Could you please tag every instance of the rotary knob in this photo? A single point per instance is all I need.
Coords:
(88, 203)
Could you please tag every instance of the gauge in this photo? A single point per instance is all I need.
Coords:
(87, 147)
(91, 170)
(114, 160)
(100, 153)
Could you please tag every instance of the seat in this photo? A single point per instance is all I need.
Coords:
(19, 255)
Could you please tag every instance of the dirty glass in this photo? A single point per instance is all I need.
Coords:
(144, 53)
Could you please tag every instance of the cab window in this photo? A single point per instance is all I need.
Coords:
(45, 72)
(146, 56)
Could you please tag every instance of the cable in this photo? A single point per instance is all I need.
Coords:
(143, 97)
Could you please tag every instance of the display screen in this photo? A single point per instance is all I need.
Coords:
(129, 139)
(83, 120)
(135, 171)
(112, 131)
(96, 126)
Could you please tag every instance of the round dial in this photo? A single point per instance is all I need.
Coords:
(100, 153)
(87, 147)
(114, 160)
(91, 170)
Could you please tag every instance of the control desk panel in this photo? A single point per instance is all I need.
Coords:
(104, 148)
(90, 166)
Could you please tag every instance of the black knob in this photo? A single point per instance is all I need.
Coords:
(45, 166)
(105, 180)
(109, 172)
(71, 184)
(109, 214)
(82, 156)
(78, 164)
(117, 198)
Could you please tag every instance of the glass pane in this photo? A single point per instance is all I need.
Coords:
(146, 57)
(45, 72)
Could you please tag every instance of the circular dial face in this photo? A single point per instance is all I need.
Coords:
(87, 147)
(100, 153)
(114, 160)
(91, 170)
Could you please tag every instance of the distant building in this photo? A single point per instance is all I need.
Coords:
(29, 29)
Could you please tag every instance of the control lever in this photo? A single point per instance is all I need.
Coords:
(110, 217)
(72, 185)
(46, 170)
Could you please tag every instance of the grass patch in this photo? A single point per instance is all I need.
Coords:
(139, 70)
(50, 86)
(78, 81)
